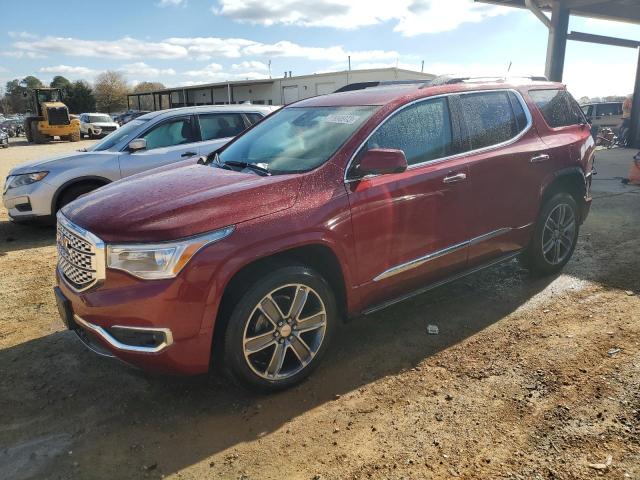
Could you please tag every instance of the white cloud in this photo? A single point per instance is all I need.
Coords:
(411, 17)
(215, 72)
(141, 68)
(69, 70)
(250, 65)
(172, 3)
(199, 48)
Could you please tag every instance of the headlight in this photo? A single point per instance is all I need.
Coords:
(160, 260)
(14, 181)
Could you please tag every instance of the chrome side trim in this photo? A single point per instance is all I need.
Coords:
(521, 134)
(102, 333)
(432, 286)
(411, 264)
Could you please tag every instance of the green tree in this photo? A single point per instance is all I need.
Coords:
(111, 91)
(80, 98)
(63, 84)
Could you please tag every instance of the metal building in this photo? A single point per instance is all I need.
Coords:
(269, 91)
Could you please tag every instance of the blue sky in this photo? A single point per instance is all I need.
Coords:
(181, 42)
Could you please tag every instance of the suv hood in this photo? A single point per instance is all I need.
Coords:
(171, 203)
(67, 160)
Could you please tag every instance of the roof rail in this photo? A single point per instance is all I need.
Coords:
(381, 83)
(450, 79)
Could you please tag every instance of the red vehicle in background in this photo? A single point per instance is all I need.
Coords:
(332, 207)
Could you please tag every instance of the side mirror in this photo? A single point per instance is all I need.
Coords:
(381, 161)
(137, 144)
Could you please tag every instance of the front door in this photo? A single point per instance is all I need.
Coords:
(168, 141)
(411, 227)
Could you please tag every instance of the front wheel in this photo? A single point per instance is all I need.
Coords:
(555, 236)
(280, 329)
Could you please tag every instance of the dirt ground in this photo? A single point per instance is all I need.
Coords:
(527, 379)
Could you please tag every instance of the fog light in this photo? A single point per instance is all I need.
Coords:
(138, 338)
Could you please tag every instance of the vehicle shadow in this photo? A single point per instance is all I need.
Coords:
(14, 236)
(116, 420)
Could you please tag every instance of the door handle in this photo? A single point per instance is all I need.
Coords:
(188, 154)
(458, 177)
(543, 157)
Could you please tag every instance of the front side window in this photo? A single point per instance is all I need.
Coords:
(297, 139)
(490, 119)
(422, 131)
(587, 110)
(221, 125)
(558, 107)
(171, 133)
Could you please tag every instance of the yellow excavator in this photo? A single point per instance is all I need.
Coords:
(49, 117)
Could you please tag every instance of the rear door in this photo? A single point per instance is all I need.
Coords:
(504, 171)
(411, 227)
(168, 141)
(216, 129)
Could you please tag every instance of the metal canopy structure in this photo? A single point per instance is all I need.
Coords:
(558, 25)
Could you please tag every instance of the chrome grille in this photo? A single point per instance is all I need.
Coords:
(80, 255)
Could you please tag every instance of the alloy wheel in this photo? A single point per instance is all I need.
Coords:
(284, 332)
(558, 235)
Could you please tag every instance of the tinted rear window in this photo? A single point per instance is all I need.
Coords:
(490, 119)
(558, 107)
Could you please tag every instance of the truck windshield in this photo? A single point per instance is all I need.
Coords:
(117, 136)
(297, 139)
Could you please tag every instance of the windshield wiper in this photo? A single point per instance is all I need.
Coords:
(239, 164)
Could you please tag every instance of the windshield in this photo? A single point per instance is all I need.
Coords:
(297, 139)
(99, 119)
(117, 136)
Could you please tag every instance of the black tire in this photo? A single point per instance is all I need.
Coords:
(75, 136)
(542, 263)
(246, 316)
(36, 135)
(73, 192)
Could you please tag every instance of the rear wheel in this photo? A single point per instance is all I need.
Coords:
(279, 329)
(555, 235)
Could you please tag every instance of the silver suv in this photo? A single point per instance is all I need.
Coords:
(37, 190)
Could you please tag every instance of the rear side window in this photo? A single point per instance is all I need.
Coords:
(558, 107)
(422, 131)
(221, 125)
(254, 117)
(490, 118)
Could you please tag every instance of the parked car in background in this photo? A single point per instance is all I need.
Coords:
(605, 114)
(130, 115)
(95, 125)
(333, 207)
(14, 127)
(4, 138)
(37, 190)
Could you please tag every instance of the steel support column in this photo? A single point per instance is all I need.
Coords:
(557, 46)
(634, 134)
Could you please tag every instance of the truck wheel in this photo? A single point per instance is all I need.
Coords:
(555, 235)
(36, 135)
(279, 329)
(75, 136)
(27, 131)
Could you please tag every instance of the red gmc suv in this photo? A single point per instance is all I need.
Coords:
(335, 206)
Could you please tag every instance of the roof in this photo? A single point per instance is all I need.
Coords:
(242, 108)
(400, 93)
(426, 76)
(617, 10)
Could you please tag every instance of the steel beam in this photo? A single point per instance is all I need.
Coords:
(603, 40)
(557, 46)
(634, 134)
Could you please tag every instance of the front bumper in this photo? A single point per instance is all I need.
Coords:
(163, 306)
(29, 202)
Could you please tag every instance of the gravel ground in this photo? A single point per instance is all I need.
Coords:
(527, 379)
